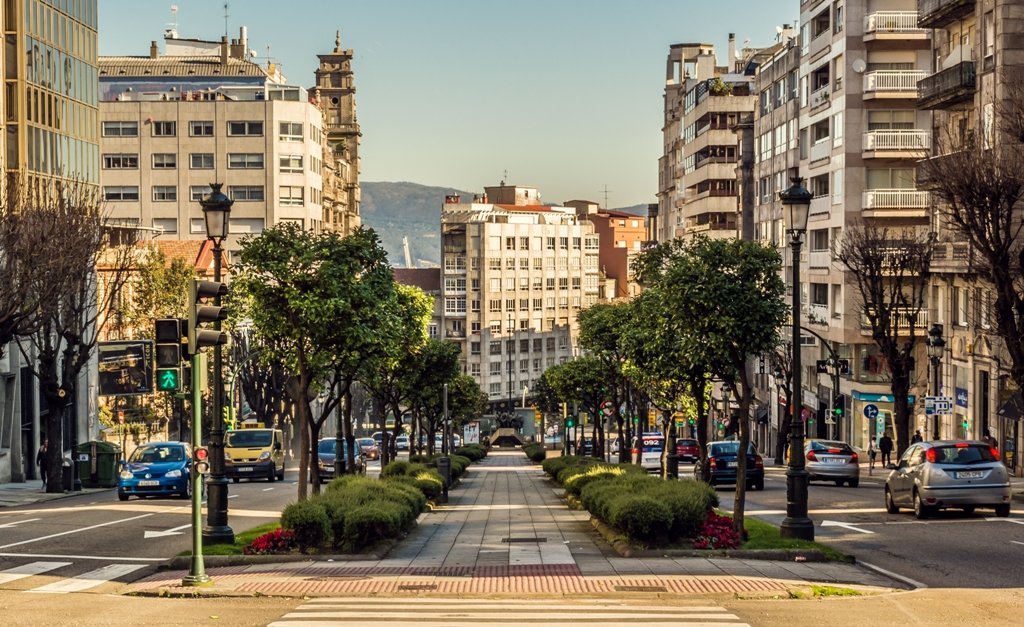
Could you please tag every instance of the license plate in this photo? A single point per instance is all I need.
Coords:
(245, 469)
(730, 464)
(970, 474)
(834, 460)
(149, 482)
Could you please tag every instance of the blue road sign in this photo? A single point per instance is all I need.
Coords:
(870, 411)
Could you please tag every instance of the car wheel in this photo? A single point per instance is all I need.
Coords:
(187, 492)
(1003, 510)
(890, 505)
(968, 509)
(759, 485)
(121, 496)
(921, 510)
(839, 483)
(853, 483)
(271, 474)
(280, 475)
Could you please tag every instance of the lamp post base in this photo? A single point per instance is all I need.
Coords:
(797, 528)
(217, 530)
(195, 581)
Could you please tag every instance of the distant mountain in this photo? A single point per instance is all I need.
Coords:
(397, 210)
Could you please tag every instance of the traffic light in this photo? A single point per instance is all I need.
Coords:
(201, 460)
(168, 354)
(198, 313)
(570, 423)
(838, 406)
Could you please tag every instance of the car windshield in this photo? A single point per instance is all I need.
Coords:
(157, 454)
(963, 454)
(327, 447)
(719, 449)
(248, 439)
(830, 447)
(687, 442)
(366, 442)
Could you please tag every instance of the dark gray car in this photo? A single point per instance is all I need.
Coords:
(961, 474)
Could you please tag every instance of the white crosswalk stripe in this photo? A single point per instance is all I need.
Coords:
(435, 612)
(62, 584)
(29, 570)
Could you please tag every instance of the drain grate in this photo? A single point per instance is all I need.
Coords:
(418, 586)
(511, 540)
(641, 589)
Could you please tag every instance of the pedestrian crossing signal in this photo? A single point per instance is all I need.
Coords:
(168, 379)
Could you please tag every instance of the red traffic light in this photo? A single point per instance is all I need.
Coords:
(200, 460)
(202, 454)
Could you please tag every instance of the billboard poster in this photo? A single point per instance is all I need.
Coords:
(126, 367)
(471, 433)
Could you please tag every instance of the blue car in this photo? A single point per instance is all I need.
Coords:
(157, 469)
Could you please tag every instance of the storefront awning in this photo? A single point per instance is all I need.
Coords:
(1013, 408)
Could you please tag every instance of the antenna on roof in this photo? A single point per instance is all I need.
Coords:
(606, 196)
(226, 5)
(171, 32)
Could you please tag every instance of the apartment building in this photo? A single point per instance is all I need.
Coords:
(976, 46)
(515, 275)
(51, 131)
(621, 238)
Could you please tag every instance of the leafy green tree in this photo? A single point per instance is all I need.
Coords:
(580, 382)
(158, 289)
(436, 364)
(602, 327)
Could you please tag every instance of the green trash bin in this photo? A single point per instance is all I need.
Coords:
(98, 464)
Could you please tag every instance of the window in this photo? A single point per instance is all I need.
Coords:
(524, 243)
(988, 43)
(563, 243)
(524, 365)
(819, 239)
(891, 178)
(291, 195)
(510, 284)
(165, 161)
(121, 192)
(495, 369)
(163, 193)
(474, 348)
(199, 192)
(246, 192)
(475, 285)
(494, 348)
(538, 304)
(290, 163)
(510, 304)
(550, 243)
(120, 162)
(494, 305)
(524, 304)
(495, 284)
(201, 161)
(120, 129)
(524, 263)
(201, 129)
(819, 294)
(165, 129)
(475, 307)
(510, 243)
(245, 160)
(890, 120)
(291, 131)
(245, 129)
(563, 283)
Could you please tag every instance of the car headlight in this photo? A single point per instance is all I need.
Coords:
(173, 473)
(264, 456)
(127, 474)
(227, 457)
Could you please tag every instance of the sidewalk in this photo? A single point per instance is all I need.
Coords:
(21, 494)
(506, 531)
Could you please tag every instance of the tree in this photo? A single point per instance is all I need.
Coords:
(602, 327)
(780, 360)
(158, 289)
(580, 382)
(892, 270)
(436, 364)
(88, 262)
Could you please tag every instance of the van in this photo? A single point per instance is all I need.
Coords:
(649, 446)
(254, 452)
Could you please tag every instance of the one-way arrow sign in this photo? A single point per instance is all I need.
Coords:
(833, 523)
(177, 531)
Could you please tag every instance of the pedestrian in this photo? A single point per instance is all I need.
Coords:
(42, 457)
(991, 441)
(885, 447)
(916, 437)
(872, 454)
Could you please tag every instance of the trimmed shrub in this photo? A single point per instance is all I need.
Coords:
(394, 469)
(366, 525)
(552, 465)
(641, 518)
(309, 522)
(474, 452)
(419, 459)
(429, 482)
(535, 452)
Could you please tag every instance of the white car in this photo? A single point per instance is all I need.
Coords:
(402, 443)
(649, 446)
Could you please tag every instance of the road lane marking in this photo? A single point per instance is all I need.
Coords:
(267, 489)
(177, 531)
(88, 580)
(29, 570)
(106, 558)
(64, 533)
(1013, 520)
(833, 523)
(17, 522)
(1015, 542)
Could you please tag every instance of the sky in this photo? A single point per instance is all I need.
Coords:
(561, 95)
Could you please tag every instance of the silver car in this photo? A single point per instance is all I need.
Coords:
(948, 473)
(828, 460)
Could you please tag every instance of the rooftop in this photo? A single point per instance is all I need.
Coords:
(427, 279)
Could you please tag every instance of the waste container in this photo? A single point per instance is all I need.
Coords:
(98, 464)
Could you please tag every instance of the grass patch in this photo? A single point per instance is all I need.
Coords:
(832, 591)
(762, 535)
(241, 541)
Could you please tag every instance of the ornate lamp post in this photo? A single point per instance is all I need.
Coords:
(796, 205)
(935, 345)
(216, 212)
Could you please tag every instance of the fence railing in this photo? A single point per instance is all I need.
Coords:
(910, 139)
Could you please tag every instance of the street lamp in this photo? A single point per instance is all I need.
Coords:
(216, 212)
(935, 348)
(796, 205)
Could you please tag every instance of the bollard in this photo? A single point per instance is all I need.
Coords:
(444, 468)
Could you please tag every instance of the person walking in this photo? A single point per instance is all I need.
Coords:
(42, 457)
(885, 447)
(872, 454)
(916, 437)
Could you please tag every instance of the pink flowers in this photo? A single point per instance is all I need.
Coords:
(717, 533)
(271, 543)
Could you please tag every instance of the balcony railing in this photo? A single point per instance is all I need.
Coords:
(822, 149)
(819, 259)
(947, 87)
(821, 204)
(892, 80)
(821, 95)
(898, 140)
(934, 13)
(895, 199)
(892, 22)
(903, 319)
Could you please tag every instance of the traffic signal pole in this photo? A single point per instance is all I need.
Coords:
(197, 571)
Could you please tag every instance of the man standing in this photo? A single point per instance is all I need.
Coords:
(916, 437)
(885, 448)
(41, 459)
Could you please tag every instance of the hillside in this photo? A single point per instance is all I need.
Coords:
(397, 210)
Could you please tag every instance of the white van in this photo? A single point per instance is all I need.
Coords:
(649, 446)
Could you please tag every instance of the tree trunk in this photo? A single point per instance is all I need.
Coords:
(312, 454)
(56, 405)
(901, 409)
(349, 435)
(699, 389)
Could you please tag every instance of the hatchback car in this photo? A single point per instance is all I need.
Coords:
(948, 473)
(157, 469)
(369, 447)
(687, 449)
(829, 460)
(649, 447)
(402, 443)
(723, 462)
(325, 449)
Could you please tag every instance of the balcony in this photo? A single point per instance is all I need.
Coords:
(892, 203)
(952, 257)
(819, 259)
(821, 96)
(892, 84)
(947, 87)
(820, 204)
(455, 334)
(821, 149)
(897, 144)
(936, 13)
(903, 319)
(893, 26)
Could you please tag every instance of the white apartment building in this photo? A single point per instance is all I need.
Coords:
(515, 275)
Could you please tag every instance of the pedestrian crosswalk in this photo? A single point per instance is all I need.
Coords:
(437, 612)
(59, 577)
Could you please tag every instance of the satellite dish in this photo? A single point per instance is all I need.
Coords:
(858, 65)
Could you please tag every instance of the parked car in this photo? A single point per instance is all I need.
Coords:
(325, 449)
(941, 474)
(687, 449)
(649, 446)
(585, 447)
(157, 469)
(723, 461)
(369, 447)
(402, 443)
(831, 460)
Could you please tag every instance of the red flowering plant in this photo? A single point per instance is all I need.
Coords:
(272, 543)
(717, 533)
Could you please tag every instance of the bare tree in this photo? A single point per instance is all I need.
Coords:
(781, 362)
(89, 261)
(891, 269)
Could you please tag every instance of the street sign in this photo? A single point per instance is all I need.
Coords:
(870, 411)
(125, 367)
(120, 417)
(938, 405)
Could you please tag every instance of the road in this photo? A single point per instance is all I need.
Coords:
(950, 550)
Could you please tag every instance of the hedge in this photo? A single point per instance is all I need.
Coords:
(309, 521)
(475, 452)
(535, 452)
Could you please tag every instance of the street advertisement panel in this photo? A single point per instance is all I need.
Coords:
(126, 367)
(471, 433)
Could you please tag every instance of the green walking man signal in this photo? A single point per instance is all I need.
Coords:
(168, 379)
